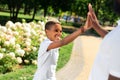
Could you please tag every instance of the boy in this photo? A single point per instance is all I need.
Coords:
(48, 51)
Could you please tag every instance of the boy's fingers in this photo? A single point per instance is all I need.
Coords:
(88, 21)
(91, 18)
(88, 17)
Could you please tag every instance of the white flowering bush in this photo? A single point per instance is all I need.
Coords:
(20, 41)
(7, 64)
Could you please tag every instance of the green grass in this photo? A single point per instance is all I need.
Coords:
(27, 72)
(20, 74)
(5, 16)
(64, 56)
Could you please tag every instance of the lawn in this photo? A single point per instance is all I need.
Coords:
(19, 15)
(5, 16)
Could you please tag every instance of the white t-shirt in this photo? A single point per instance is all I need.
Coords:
(47, 61)
(108, 57)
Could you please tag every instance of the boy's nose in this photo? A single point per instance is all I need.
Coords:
(59, 33)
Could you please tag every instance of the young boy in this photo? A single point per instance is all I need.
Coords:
(48, 51)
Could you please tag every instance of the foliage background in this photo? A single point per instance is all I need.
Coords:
(103, 8)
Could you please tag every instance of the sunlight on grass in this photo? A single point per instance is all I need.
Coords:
(19, 15)
(4, 14)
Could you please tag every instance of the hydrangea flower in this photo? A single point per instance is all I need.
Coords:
(1, 55)
(19, 60)
(20, 52)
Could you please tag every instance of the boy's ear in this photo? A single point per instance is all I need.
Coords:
(46, 30)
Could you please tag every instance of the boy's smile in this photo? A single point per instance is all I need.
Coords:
(55, 32)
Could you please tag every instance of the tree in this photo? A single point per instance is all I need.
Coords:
(62, 5)
(102, 8)
(14, 7)
(44, 5)
(27, 6)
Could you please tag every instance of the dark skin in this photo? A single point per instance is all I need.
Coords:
(113, 77)
(96, 26)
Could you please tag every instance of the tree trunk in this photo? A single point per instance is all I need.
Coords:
(35, 9)
(14, 9)
(25, 9)
(13, 14)
(17, 11)
(45, 12)
(10, 11)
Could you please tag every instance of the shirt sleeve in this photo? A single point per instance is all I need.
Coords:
(43, 47)
(114, 60)
(43, 54)
(115, 67)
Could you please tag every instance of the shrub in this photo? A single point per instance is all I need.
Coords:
(7, 64)
(19, 42)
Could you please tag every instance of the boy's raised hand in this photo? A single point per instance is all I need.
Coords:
(88, 23)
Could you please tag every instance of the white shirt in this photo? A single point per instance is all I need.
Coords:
(47, 61)
(108, 57)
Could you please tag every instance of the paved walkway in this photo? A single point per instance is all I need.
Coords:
(83, 54)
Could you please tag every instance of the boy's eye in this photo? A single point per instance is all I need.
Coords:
(58, 31)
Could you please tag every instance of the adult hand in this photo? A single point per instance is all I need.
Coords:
(93, 17)
(95, 24)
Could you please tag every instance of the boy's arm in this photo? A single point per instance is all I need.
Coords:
(72, 36)
(67, 39)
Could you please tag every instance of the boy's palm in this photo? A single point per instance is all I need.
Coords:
(88, 23)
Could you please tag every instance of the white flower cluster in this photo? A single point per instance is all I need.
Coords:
(21, 40)
(1, 55)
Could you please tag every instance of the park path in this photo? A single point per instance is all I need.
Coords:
(83, 54)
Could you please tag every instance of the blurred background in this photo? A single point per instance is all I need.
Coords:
(22, 30)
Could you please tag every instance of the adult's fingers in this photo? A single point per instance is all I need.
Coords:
(93, 21)
(91, 17)
(90, 8)
(92, 11)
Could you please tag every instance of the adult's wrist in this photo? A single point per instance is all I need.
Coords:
(96, 26)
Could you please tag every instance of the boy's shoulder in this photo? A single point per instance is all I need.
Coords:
(46, 41)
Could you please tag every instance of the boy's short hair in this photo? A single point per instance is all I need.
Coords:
(49, 24)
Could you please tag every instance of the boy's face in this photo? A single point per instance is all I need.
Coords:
(54, 33)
